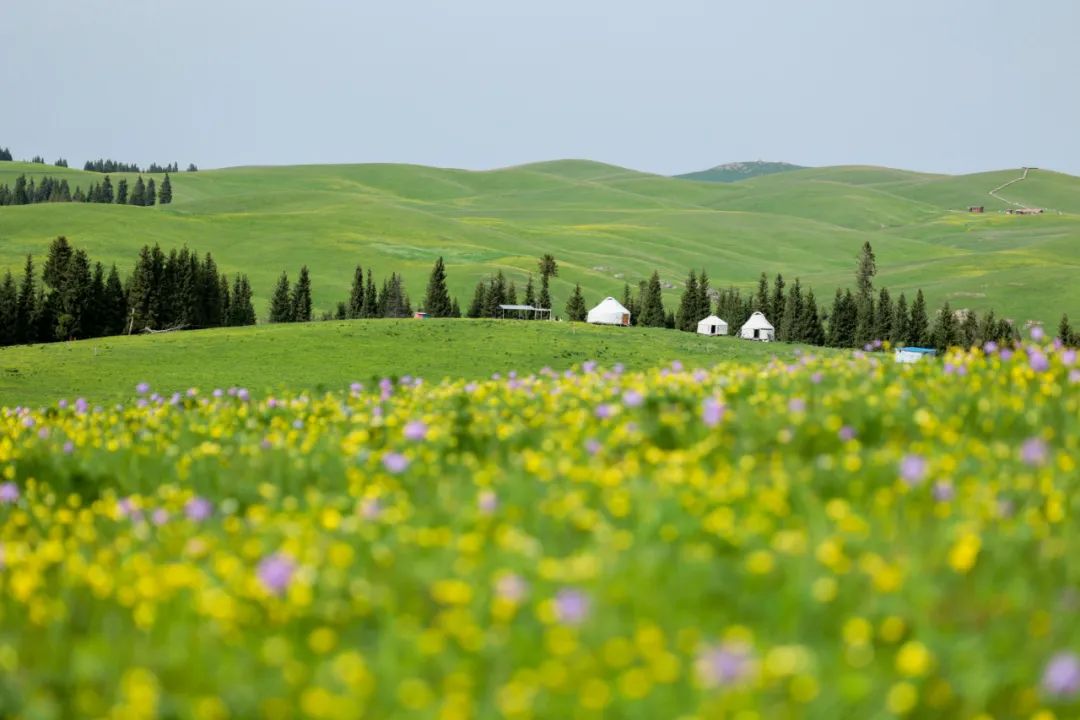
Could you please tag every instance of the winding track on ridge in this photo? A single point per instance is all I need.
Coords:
(993, 193)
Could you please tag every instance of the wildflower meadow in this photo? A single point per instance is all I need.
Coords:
(824, 537)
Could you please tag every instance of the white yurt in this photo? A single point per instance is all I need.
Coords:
(758, 328)
(712, 325)
(609, 312)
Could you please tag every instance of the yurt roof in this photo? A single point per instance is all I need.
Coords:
(712, 320)
(757, 320)
(610, 304)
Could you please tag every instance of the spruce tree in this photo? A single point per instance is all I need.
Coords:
(354, 308)
(968, 331)
(213, 310)
(761, 299)
(281, 307)
(241, 300)
(165, 194)
(151, 193)
(455, 309)
(843, 320)
(865, 321)
(789, 327)
(9, 302)
(630, 305)
(988, 328)
(919, 324)
(776, 303)
(227, 311)
(704, 308)
(883, 317)
(114, 306)
(437, 298)
(652, 311)
(511, 294)
(1065, 331)
(811, 330)
(901, 324)
(575, 306)
(107, 191)
(686, 319)
(138, 193)
(371, 300)
(530, 292)
(26, 311)
(479, 301)
(944, 334)
(74, 298)
(548, 269)
(94, 317)
(121, 192)
(301, 298)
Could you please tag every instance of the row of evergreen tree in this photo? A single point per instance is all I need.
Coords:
(49, 189)
(74, 298)
(5, 154)
(105, 166)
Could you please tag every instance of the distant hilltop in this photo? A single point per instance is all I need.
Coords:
(732, 172)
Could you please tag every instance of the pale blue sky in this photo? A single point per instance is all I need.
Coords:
(666, 86)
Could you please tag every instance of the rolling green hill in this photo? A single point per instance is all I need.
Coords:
(330, 355)
(606, 225)
(733, 172)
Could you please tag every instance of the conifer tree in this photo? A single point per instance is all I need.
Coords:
(354, 308)
(121, 192)
(811, 330)
(548, 269)
(151, 193)
(371, 300)
(883, 316)
(901, 324)
(968, 332)
(479, 301)
(165, 194)
(106, 191)
(789, 325)
(213, 310)
(530, 292)
(301, 298)
(652, 311)
(437, 298)
(114, 305)
(575, 306)
(704, 308)
(988, 328)
(74, 297)
(865, 321)
(138, 193)
(281, 307)
(919, 324)
(843, 320)
(511, 294)
(776, 303)
(94, 313)
(244, 311)
(1065, 331)
(686, 319)
(761, 299)
(26, 310)
(455, 309)
(495, 296)
(629, 303)
(227, 310)
(944, 334)
(9, 301)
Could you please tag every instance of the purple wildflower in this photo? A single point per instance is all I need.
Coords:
(1034, 451)
(298, 424)
(1074, 376)
(603, 411)
(913, 469)
(69, 447)
(712, 412)
(618, 369)
(356, 388)
(571, 606)
(43, 433)
(266, 444)
(846, 433)
(370, 509)
(9, 493)
(160, 516)
(632, 398)
(677, 366)
(198, 509)
(1061, 678)
(81, 406)
(217, 392)
(395, 462)
(588, 366)
(1005, 354)
(592, 446)
(943, 491)
(511, 587)
(275, 572)
(723, 665)
(1038, 361)
(1037, 333)
(243, 394)
(488, 502)
(816, 377)
(990, 347)
(1068, 357)
(796, 405)
(416, 430)
(142, 388)
(28, 421)
(62, 404)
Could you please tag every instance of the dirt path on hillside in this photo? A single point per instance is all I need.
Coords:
(994, 193)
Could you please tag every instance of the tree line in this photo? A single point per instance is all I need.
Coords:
(106, 166)
(74, 298)
(50, 189)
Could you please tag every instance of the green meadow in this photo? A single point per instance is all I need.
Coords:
(606, 226)
(325, 356)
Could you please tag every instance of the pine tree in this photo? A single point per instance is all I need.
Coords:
(496, 295)
(810, 328)
(629, 303)
(652, 311)
(548, 269)
(26, 311)
(151, 193)
(213, 308)
(883, 316)
(704, 308)
(94, 317)
(988, 328)
(789, 326)
(479, 301)
(969, 329)
(901, 324)
(511, 294)
(575, 306)
(121, 192)
(1065, 332)
(138, 193)
(226, 310)
(107, 191)
(165, 194)
(354, 308)
(114, 311)
(437, 299)
(9, 302)
(686, 319)
(843, 320)
(455, 309)
(301, 298)
(776, 304)
(865, 321)
(761, 299)
(919, 325)
(944, 334)
(244, 311)
(74, 298)
(281, 307)
(864, 274)
(530, 292)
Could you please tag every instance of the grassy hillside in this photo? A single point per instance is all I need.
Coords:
(733, 172)
(331, 355)
(606, 225)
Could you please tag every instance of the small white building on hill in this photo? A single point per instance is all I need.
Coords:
(712, 325)
(758, 328)
(609, 312)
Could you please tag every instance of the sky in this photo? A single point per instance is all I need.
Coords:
(665, 86)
